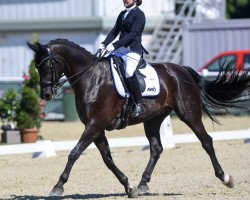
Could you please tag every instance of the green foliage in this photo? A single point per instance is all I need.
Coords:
(23, 108)
(9, 104)
(30, 101)
(24, 120)
(238, 9)
(29, 111)
(34, 77)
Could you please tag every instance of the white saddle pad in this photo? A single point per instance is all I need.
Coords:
(152, 81)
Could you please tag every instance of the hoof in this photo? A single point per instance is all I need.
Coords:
(56, 191)
(142, 189)
(132, 192)
(228, 181)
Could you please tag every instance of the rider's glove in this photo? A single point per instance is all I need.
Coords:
(101, 46)
(101, 50)
(110, 48)
(104, 51)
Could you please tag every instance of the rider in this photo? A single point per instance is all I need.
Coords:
(130, 24)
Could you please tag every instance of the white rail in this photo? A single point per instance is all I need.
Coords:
(48, 148)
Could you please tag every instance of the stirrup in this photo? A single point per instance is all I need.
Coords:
(138, 110)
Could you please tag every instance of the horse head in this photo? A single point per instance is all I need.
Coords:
(50, 67)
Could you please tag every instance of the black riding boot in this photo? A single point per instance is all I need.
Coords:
(136, 93)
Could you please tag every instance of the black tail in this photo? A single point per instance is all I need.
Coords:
(224, 92)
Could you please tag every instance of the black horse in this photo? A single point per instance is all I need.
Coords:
(99, 107)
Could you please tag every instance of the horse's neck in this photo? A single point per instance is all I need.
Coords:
(76, 62)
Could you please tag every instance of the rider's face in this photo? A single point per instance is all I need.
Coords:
(127, 3)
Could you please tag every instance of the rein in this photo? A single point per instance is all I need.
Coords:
(83, 71)
(54, 83)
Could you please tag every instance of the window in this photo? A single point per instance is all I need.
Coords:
(246, 64)
(222, 62)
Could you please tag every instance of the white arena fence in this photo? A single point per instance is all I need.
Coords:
(47, 148)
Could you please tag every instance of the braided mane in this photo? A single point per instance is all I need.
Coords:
(70, 43)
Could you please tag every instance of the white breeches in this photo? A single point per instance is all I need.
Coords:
(130, 58)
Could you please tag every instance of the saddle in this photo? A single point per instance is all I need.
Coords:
(148, 81)
(121, 69)
(146, 74)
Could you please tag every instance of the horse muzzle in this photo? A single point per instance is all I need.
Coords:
(46, 93)
(47, 90)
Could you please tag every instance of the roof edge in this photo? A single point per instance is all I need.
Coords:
(86, 23)
(82, 23)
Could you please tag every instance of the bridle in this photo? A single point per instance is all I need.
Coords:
(54, 82)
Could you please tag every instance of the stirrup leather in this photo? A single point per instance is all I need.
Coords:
(137, 110)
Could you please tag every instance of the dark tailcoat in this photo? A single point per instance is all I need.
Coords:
(130, 30)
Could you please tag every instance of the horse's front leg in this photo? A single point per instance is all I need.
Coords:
(89, 135)
(102, 144)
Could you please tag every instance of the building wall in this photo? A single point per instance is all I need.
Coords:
(204, 40)
(41, 9)
(151, 8)
(15, 56)
(210, 9)
(85, 22)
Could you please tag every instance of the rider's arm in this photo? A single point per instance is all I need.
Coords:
(136, 29)
(115, 31)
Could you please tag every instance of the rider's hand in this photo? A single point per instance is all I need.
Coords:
(101, 50)
(110, 48)
(101, 46)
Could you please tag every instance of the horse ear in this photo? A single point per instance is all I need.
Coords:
(41, 47)
(33, 47)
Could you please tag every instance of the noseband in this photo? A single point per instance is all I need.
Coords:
(54, 82)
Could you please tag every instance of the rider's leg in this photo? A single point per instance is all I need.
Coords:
(131, 62)
(136, 92)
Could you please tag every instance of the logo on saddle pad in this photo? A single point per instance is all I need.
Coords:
(151, 84)
(151, 89)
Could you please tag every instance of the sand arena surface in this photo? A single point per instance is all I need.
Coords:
(182, 173)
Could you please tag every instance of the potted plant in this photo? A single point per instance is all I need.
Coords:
(9, 104)
(28, 117)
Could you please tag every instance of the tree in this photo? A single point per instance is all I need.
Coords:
(29, 112)
(238, 9)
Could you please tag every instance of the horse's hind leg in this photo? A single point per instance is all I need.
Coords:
(195, 123)
(207, 144)
(102, 144)
(152, 130)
